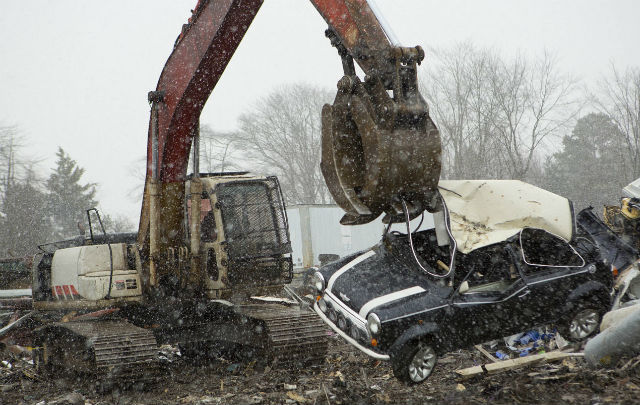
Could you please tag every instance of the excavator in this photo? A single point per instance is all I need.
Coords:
(207, 242)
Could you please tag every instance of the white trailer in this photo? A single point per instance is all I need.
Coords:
(315, 230)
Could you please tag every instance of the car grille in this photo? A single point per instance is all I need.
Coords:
(346, 321)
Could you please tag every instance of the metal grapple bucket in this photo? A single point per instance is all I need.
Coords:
(378, 150)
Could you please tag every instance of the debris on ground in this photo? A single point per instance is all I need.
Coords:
(535, 341)
(73, 398)
(538, 341)
(620, 336)
(347, 377)
(505, 365)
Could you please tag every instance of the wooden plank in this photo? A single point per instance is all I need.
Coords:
(486, 353)
(498, 367)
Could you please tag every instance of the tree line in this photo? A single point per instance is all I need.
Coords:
(499, 117)
(33, 210)
(523, 118)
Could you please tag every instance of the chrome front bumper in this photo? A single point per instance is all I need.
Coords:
(348, 338)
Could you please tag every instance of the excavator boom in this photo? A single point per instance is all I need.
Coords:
(200, 56)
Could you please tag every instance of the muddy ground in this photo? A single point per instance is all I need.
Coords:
(347, 377)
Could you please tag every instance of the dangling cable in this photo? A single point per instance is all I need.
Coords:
(420, 224)
(413, 251)
(386, 230)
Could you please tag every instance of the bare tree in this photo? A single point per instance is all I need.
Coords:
(117, 223)
(534, 102)
(620, 100)
(457, 88)
(281, 135)
(495, 113)
(217, 153)
(9, 148)
(138, 170)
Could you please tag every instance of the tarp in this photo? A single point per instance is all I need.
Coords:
(484, 212)
(632, 189)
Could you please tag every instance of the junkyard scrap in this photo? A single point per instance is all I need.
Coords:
(347, 376)
(551, 361)
(503, 302)
(510, 297)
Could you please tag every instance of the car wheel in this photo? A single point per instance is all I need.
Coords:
(414, 362)
(583, 322)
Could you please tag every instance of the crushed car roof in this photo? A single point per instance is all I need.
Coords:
(484, 212)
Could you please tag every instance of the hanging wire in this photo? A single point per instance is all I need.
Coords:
(413, 251)
(420, 224)
(386, 230)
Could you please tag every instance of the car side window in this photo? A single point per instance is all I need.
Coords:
(491, 270)
(541, 248)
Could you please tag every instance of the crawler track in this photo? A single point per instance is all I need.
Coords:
(293, 337)
(112, 350)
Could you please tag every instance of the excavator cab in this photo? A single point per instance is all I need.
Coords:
(244, 237)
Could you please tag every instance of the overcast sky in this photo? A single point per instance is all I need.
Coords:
(76, 74)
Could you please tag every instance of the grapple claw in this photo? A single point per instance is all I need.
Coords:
(378, 151)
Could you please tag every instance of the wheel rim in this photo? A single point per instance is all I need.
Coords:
(583, 324)
(422, 364)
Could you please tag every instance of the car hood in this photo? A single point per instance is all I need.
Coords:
(486, 212)
(380, 277)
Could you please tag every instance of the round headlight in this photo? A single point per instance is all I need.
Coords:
(322, 304)
(318, 281)
(373, 324)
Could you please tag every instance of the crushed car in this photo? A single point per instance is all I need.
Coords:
(504, 256)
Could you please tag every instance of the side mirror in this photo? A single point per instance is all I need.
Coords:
(464, 287)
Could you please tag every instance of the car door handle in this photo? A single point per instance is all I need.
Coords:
(524, 294)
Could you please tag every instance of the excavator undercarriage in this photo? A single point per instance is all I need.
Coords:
(288, 338)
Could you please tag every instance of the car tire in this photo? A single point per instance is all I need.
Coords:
(582, 322)
(414, 362)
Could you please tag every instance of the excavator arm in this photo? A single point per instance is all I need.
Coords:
(379, 149)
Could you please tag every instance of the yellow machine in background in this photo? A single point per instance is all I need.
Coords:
(625, 219)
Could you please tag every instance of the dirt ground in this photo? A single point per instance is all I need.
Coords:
(347, 377)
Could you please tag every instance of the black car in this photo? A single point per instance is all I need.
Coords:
(415, 296)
